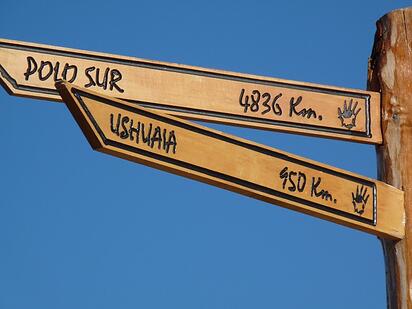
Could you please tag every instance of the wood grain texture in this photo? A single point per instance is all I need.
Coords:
(29, 69)
(165, 142)
(390, 72)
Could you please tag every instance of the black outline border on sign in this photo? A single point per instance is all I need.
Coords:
(78, 94)
(188, 111)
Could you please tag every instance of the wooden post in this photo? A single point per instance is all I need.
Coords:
(390, 72)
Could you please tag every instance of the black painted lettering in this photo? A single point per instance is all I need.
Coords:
(157, 137)
(293, 105)
(301, 182)
(266, 98)
(56, 71)
(134, 130)
(49, 70)
(146, 139)
(91, 81)
(296, 180)
(67, 68)
(171, 142)
(326, 196)
(244, 100)
(115, 76)
(115, 129)
(314, 188)
(292, 187)
(164, 139)
(255, 97)
(277, 110)
(284, 175)
(31, 67)
(308, 113)
(102, 84)
(125, 132)
(147, 134)
(317, 192)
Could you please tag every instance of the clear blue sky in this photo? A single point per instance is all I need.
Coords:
(80, 229)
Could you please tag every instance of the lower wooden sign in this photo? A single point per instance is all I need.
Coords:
(165, 142)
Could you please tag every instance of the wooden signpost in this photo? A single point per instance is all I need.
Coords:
(121, 105)
(390, 73)
(29, 69)
(165, 142)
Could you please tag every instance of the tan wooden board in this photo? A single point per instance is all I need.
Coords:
(165, 142)
(29, 69)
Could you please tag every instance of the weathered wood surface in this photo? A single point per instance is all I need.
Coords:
(29, 69)
(390, 72)
(152, 138)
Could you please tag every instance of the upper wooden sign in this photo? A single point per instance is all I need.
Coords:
(29, 69)
(125, 130)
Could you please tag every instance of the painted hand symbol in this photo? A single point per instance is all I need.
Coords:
(360, 199)
(348, 115)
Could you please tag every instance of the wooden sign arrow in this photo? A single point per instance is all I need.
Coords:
(31, 70)
(165, 142)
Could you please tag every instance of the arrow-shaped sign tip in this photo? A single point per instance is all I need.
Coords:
(75, 102)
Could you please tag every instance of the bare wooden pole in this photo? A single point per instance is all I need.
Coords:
(390, 72)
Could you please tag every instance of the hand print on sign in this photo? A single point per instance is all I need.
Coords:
(360, 199)
(348, 115)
